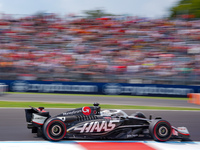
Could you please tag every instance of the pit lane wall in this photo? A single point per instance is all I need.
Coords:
(99, 88)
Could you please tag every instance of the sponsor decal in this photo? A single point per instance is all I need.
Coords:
(97, 126)
(24, 86)
(38, 119)
(183, 130)
(19, 86)
(112, 89)
(108, 88)
(131, 135)
(72, 112)
(116, 89)
(86, 110)
(62, 118)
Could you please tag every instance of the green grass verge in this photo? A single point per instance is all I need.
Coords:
(125, 96)
(103, 106)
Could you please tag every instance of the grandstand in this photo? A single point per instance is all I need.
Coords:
(110, 49)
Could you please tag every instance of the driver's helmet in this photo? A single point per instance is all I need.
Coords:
(105, 113)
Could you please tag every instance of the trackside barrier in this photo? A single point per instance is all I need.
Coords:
(3, 89)
(194, 98)
(160, 90)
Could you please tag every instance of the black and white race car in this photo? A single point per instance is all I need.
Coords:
(93, 123)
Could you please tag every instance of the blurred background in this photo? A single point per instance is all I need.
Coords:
(100, 45)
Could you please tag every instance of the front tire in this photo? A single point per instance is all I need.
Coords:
(160, 130)
(54, 130)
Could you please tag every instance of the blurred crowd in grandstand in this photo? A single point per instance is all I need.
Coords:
(109, 49)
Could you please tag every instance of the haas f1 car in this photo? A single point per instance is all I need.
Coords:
(93, 123)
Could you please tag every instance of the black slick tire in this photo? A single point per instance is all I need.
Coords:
(54, 129)
(160, 130)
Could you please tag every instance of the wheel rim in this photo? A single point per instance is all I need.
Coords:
(56, 130)
(163, 131)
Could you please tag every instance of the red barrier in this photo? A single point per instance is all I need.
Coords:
(194, 98)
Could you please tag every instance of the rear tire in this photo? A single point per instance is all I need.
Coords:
(160, 130)
(54, 129)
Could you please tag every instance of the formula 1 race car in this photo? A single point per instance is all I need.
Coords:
(93, 123)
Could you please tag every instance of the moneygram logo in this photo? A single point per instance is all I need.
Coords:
(112, 89)
(86, 110)
(19, 86)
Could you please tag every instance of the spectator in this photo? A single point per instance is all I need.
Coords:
(125, 48)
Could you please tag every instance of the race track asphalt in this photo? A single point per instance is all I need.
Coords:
(13, 123)
(102, 100)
